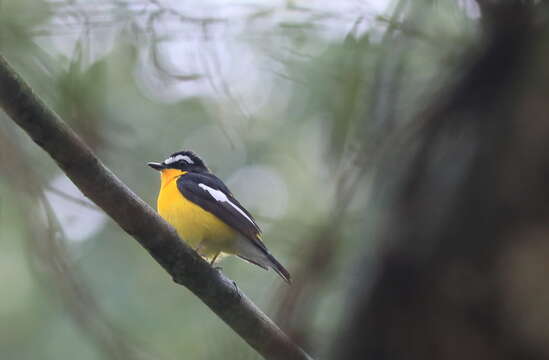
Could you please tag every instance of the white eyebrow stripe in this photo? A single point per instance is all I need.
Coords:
(220, 196)
(176, 158)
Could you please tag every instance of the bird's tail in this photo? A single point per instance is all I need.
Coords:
(279, 269)
(266, 261)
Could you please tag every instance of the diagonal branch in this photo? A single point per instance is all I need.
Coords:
(100, 185)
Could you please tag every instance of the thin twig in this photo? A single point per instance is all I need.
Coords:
(72, 198)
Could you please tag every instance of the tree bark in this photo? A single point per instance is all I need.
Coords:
(100, 185)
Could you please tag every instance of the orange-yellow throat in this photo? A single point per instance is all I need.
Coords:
(201, 229)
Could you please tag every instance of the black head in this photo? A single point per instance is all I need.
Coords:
(184, 160)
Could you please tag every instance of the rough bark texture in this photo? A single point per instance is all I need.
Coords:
(140, 221)
(465, 247)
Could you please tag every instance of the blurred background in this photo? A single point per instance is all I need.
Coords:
(291, 103)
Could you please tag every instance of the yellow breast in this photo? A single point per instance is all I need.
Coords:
(199, 228)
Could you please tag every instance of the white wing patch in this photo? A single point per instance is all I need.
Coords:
(220, 196)
(176, 158)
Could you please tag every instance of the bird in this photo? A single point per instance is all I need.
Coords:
(206, 215)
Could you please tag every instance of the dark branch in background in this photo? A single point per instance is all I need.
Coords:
(140, 221)
(463, 248)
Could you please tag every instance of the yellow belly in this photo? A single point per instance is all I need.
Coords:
(202, 230)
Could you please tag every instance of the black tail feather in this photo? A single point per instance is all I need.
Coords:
(274, 264)
(279, 269)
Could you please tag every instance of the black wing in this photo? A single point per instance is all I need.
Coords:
(208, 192)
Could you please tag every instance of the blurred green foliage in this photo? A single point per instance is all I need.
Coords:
(284, 102)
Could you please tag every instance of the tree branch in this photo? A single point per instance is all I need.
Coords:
(100, 185)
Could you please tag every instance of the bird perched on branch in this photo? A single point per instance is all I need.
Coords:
(206, 215)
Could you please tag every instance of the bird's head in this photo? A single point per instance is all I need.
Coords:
(183, 160)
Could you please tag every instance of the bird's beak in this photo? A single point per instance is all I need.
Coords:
(156, 166)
